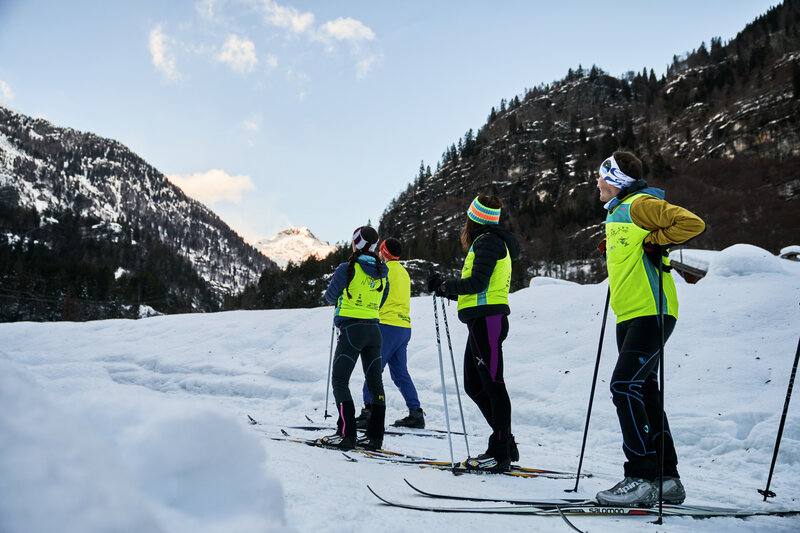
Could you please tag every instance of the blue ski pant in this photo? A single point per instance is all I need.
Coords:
(394, 353)
(636, 395)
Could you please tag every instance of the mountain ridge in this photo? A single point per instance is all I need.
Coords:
(294, 245)
(46, 166)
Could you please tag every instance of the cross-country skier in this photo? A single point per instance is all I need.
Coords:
(395, 325)
(640, 225)
(358, 288)
(482, 294)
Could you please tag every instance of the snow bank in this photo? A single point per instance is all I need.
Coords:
(204, 472)
(56, 472)
(744, 260)
(186, 468)
(543, 280)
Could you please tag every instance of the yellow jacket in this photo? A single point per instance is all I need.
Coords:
(396, 310)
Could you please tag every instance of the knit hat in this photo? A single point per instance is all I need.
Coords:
(365, 238)
(391, 249)
(481, 214)
(611, 172)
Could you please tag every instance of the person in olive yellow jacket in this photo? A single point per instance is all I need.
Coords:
(358, 288)
(482, 294)
(395, 325)
(640, 226)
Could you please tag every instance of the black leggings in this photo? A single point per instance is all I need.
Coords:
(358, 338)
(483, 372)
(635, 392)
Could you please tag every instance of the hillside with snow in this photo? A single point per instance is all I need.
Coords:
(50, 168)
(141, 425)
(295, 245)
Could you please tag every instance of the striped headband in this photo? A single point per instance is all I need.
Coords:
(387, 254)
(360, 242)
(482, 214)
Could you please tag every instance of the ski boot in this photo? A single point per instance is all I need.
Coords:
(345, 436)
(363, 418)
(415, 419)
(630, 491)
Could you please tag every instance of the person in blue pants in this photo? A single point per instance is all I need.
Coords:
(395, 326)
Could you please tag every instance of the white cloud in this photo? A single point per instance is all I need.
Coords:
(363, 66)
(251, 126)
(239, 54)
(287, 17)
(347, 29)
(213, 186)
(206, 8)
(163, 59)
(272, 62)
(353, 32)
(6, 94)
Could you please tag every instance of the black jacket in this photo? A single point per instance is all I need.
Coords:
(488, 249)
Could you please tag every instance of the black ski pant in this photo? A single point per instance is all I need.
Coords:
(483, 378)
(356, 338)
(635, 393)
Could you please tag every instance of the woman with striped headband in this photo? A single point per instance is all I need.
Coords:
(482, 294)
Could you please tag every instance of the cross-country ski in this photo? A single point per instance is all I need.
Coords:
(590, 508)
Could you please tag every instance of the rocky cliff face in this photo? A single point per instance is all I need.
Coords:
(732, 108)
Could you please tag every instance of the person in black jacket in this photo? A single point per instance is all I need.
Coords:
(482, 294)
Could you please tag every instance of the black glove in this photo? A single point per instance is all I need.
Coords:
(435, 282)
(655, 253)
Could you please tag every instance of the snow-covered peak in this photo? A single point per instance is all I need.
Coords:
(294, 244)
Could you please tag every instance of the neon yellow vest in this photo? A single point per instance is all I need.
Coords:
(366, 293)
(499, 284)
(396, 310)
(632, 277)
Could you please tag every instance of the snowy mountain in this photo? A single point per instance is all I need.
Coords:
(295, 245)
(140, 425)
(51, 168)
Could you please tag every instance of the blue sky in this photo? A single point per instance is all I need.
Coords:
(317, 113)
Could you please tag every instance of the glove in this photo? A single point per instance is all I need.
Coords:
(602, 247)
(655, 253)
(435, 283)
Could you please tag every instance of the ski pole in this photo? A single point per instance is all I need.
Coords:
(330, 365)
(661, 388)
(766, 492)
(591, 394)
(441, 373)
(455, 374)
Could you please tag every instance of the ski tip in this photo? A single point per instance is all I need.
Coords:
(378, 496)
(251, 420)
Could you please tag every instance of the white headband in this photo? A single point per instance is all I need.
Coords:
(611, 172)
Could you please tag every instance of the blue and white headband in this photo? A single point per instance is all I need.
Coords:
(611, 172)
